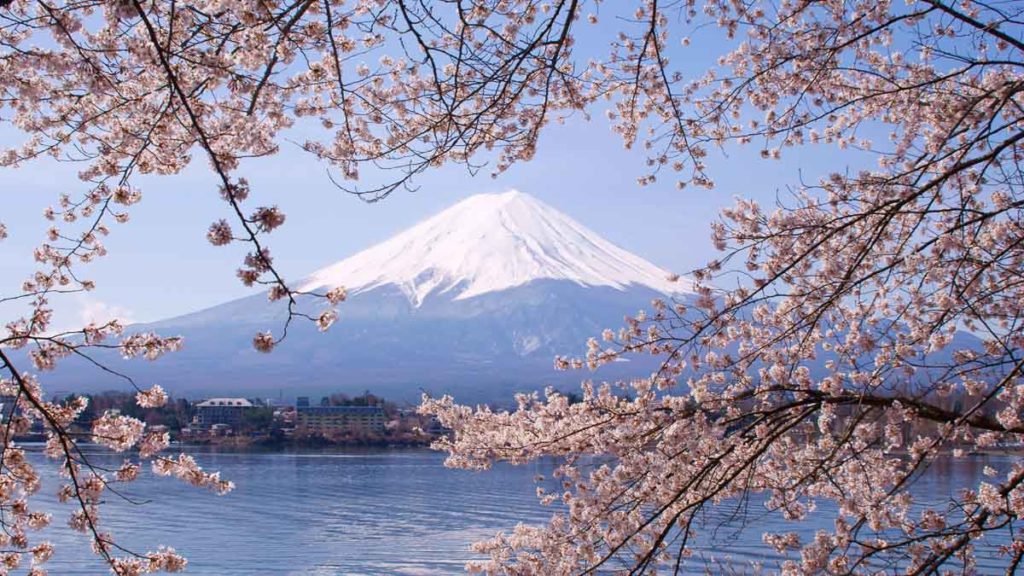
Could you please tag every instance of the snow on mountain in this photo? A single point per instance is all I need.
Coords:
(488, 243)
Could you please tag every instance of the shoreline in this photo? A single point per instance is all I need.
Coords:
(313, 442)
(271, 445)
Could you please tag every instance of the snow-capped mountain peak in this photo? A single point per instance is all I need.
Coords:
(492, 242)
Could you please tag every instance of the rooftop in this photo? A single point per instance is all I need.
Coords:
(239, 402)
(341, 409)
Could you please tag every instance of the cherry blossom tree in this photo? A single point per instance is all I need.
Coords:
(872, 271)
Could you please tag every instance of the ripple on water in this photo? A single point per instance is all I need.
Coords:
(366, 512)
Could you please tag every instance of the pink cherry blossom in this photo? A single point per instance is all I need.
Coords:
(868, 272)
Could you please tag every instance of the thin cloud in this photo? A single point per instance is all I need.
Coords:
(99, 312)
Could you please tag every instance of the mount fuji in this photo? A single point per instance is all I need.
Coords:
(475, 301)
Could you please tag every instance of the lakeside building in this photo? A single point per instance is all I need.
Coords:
(327, 419)
(221, 411)
(7, 407)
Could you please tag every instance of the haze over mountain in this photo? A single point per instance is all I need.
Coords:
(474, 301)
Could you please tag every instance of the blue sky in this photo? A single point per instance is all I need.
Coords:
(160, 264)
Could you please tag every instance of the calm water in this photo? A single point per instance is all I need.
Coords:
(365, 512)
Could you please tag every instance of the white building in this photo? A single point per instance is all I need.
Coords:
(221, 411)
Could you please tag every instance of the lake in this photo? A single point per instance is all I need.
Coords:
(363, 512)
